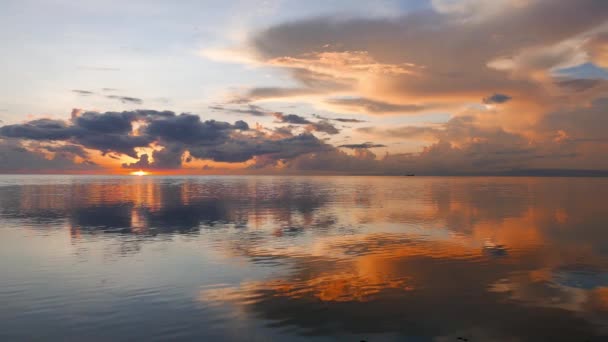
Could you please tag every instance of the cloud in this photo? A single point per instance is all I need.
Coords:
(581, 125)
(404, 132)
(189, 129)
(448, 58)
(123, 99)
(269, 93)
(291, 118)
(14, 157)
(249, 110)
(178, 138)
(40, 129)
(83, 92)
(126, 99)
(598, 49)
(245, 148)
(362, 105)
(363, 145)
(440, 58)
(496, 99)
(68, 151)
(466, 144)
(522, 59)
(348, 120)
(578, 84)
(323, 126)
(345, 120)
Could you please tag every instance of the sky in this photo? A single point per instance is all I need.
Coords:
(431, 87)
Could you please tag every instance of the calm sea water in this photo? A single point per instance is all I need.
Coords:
(303, 258)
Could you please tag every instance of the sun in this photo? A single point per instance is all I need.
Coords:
(139, 173)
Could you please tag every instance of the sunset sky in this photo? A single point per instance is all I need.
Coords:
(278, 86)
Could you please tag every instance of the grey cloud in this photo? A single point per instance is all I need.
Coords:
(125, 99)
(111, 132)
(272, 92)
(68, 151)
(578, 84)
(111, 122)
(404, 132)
(323, 126)
(250, 110)
(363, 145)
(107, 132)
(40, 129)
(345, 120)
(497, 99)
(446, 48)
(244, 148)
(189, 129)
(292, 119)
(375, 107)
(284, 131)
(15, 158)
(582, 124)
(117, 143)
(348, 120)
(83, 92)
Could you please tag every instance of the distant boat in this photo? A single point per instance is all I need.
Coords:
(410, 174)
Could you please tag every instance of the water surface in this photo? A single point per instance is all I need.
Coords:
(303, 258)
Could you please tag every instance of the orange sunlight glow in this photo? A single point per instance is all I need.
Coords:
(139, 173)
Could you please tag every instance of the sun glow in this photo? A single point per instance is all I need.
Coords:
(139, 173)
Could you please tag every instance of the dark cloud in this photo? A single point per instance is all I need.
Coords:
(14, 157)
(363, 145)
(243, 148)
(496, 99)
(189, 129)
(40, 129)
(292, 119)
(111, 122)
(108, 132)
(345, 120)
(114, 143)
(111, 132)
(323, 126)
(68, 151)
(126, 99)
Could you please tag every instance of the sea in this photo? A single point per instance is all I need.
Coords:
(303, 258)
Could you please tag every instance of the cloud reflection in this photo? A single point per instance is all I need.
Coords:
(423, 257)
